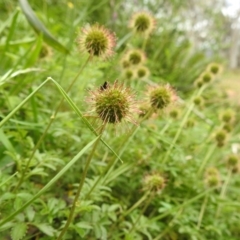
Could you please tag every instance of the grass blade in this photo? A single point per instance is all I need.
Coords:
(39, 28)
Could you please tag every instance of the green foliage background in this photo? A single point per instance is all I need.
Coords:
(118, 207)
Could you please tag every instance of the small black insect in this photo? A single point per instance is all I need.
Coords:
(104, 86)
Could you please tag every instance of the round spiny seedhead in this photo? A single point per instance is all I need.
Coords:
(97, 41)
(198, 101)
(214, 68)
(212, 171)
(135, 57)
(142, 23)
(212, 177)
(174, 113)
(220, 136)
(221, 144)
(114, 104)
(236, 169)
(125, 63)
(227, 116)
(142, 72)
(154, 182)
(227, 127)
(206, 77)
(161, 96)
(190, 123)
(198, 83)
(213, 181)
(128, 74)
(233, 160)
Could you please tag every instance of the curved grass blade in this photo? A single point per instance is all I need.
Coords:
(8, 75)
(39, 28)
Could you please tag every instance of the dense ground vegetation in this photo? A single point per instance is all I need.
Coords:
(115, 128)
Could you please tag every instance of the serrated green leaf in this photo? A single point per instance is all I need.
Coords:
(84, 225)
(18, 231)
(82, 228)
(39, 28)
(47, 229)
(80, 231)
(30, 213)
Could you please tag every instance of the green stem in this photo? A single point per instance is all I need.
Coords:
(178, 132)
(82, 180)
(132, 133)
(186, 203)
(186, 116)
(142, 212)
(144, 43)
(169, 225)
(112, 163)
(165, 128)
(139, 202)
(224, 190)
(108, 169)
(202, 212)
(205, 160)
(47, 128)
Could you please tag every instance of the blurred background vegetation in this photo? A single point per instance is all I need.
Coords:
(188, 31)
(190, 34)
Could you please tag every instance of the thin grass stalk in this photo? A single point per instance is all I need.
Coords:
(138, 203)
(142, 212)
(112, 163)
(144, 43)
(203, 208)
(206, 158)
(169, 225)
(224, 190)
(166, 126)
(185, 118)
(186, 203)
